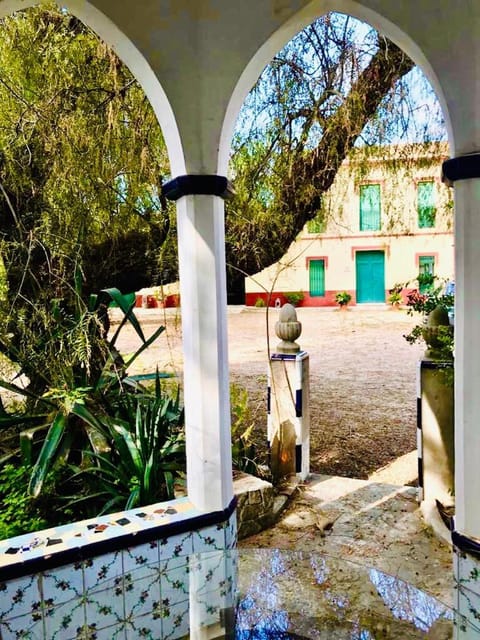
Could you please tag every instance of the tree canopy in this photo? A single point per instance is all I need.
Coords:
(82, 161)
(82, 158)
(338, 87)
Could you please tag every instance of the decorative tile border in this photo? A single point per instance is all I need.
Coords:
(36, 552)
(138, 591)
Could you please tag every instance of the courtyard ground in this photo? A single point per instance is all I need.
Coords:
(362, 377)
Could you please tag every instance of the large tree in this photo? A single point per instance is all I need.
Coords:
(82, 160)
(336, 88)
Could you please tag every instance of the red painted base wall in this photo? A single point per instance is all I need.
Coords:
(270, 299)
(328, 300)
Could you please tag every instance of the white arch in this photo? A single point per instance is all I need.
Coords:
(134, 60)
(294, 25)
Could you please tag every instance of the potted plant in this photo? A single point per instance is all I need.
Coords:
(395, 296)
(342, 298)
(294, 297)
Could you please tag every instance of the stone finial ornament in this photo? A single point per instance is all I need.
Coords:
(288, 329)
(437, 324)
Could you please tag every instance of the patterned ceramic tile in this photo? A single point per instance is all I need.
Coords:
(144, 628)
(64, 619)
(102, 572)
(18, 597)
(63, 584)
(141, 561)
(106, 608)
(467, 575)
(140, 598)
(176, 549)
(208, 571)
(210, 538)
(231, 532)
(76, 534)
(174, 585)
(177, 624)
(23, 628)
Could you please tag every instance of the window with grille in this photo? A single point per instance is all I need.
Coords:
(426, 204)
(426, 273)
(316, 272)
(370, 209)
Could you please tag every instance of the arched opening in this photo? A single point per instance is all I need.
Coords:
(369, 241)
(83, 221)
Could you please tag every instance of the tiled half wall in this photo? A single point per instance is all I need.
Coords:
(122, 576)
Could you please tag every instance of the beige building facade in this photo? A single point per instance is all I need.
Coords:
(385, 220)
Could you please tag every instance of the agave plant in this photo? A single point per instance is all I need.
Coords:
(147, 453)
(67, 414)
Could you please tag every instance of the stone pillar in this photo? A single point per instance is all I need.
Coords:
(435, 421)
(464, 172)
(288, 422)
(201, 256)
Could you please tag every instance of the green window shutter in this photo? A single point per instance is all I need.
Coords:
(426, 204)
(316, 271)
(426, 268)
(370, 210)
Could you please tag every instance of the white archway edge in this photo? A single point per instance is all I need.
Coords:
(105, 28)
(294, 25)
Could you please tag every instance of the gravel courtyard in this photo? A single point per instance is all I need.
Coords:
(362, 377)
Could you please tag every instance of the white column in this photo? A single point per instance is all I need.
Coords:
(200, 224)
(467, 357)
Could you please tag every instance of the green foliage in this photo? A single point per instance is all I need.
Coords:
(294, 297)
(425, 282)
(147, 454)
(80, 387)
(260, 303)
(81, 169)
(342, 298)
(425, 304)
(20, 513)
(395, 296)
(244, 451)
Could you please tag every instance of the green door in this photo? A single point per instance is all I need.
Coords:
(316, 274)
(370, 271)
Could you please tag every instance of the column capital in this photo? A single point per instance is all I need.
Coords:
(198, 184)
(461, 168)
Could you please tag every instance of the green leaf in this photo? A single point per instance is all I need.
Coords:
(47, 454)
(135, 456)
(145, 345)
(127, 309)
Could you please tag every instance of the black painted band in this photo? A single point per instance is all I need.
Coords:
(465, 544)
(461, 168)
(92, 549)
(198, 184)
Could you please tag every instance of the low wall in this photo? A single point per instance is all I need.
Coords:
(123, 574)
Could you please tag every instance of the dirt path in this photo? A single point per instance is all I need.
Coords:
(362, 381)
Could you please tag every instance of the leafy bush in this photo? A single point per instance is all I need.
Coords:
(394, 297)
(343, 298)
(294, 297)
(83, 386)
(260, 303)
(244, 450)
(147, 453)
(425, 304)
(20, 513)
